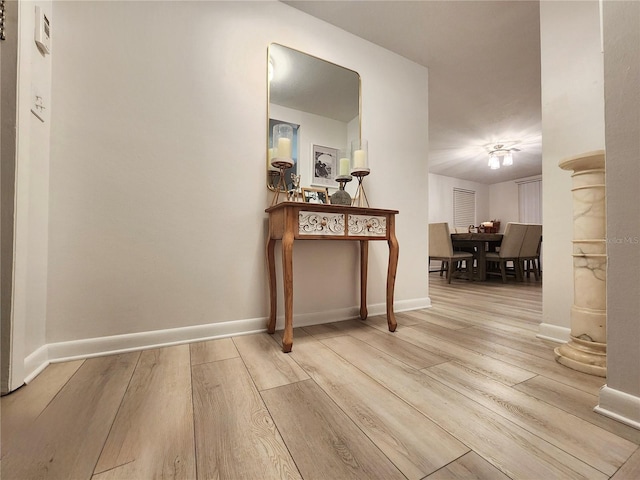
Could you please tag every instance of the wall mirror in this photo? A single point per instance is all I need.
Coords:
(321, 101)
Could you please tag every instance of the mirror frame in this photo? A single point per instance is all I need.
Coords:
(270, 176)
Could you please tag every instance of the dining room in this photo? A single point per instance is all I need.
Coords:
(481, 233)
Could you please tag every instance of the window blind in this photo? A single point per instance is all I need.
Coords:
(530, 201)
(464, 207)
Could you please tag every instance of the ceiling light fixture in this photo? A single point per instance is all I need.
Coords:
(500, 151)
(494, 162)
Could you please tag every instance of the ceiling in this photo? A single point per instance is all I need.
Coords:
(484, 74)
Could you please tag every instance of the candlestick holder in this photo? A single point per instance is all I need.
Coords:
(342, 197)
(360, 197)
(273, 177)
(281, 164)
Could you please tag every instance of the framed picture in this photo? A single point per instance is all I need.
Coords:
(325, 166)
(315, 195)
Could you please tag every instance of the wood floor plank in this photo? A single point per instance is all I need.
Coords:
(630, 470)
(402, 317)
(510, 448)
(492, 367)
(412, 442)
(468, 467)
(593, 445)
(483, 340)
(324, 442)
(326, 330)
(152, 435)
(235, 435)
(577, 402)
(267, 365)
(212, 350)
(21, 407)
(379, 322)
(64, 441)
(533, 363)
(395, 346)
(515, 338)
(428, 315)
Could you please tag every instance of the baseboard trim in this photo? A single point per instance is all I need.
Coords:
(115, 344)
(36, 363)
(553, 333)
(400, 306)
(130, 342)
(620, 406)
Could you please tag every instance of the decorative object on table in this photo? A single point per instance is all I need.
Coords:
(273, 173)
(342, 197)
(282, 141)
(315, 195)
(360, 169)
(294, 194)
(489, 227)
(325, 165)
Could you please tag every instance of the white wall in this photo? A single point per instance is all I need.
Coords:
(572, 123)
(157, 172)
(441, 198)
(621, 396)
(31, 201)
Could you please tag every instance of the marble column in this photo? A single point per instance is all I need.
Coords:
(586, 351)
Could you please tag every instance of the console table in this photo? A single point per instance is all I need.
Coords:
(289, 221)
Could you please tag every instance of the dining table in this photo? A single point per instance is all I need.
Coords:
(480, 243)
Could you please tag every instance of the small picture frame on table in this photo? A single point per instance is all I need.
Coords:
(325, 166)
(315, 195)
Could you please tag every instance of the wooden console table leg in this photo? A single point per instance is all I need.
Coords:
(394, 250)
(273, 298)
(287, 273)
(364, 262)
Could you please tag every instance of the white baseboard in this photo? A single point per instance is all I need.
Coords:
(114, 344)
(400, 306)
(99, 346)
(36, 362)
(554, 333)
(620, 406)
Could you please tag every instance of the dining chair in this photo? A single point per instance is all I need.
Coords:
(529, 257)
(441, 248)
(509, 251)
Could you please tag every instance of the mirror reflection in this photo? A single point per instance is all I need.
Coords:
(321, 102)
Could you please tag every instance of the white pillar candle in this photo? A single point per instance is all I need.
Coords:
(359, 159)
(272, 153)
(344, 166)
(284, 148)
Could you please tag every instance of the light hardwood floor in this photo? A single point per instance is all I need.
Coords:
(461, 390)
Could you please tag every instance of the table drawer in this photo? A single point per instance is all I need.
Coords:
(315, 223)
(367, 226)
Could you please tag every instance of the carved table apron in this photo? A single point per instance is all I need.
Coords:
(289, 221)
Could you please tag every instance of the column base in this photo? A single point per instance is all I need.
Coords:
(583, 356)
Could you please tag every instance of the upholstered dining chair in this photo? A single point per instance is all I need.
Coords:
(529, 257)
(441, 248)
(509, 251)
